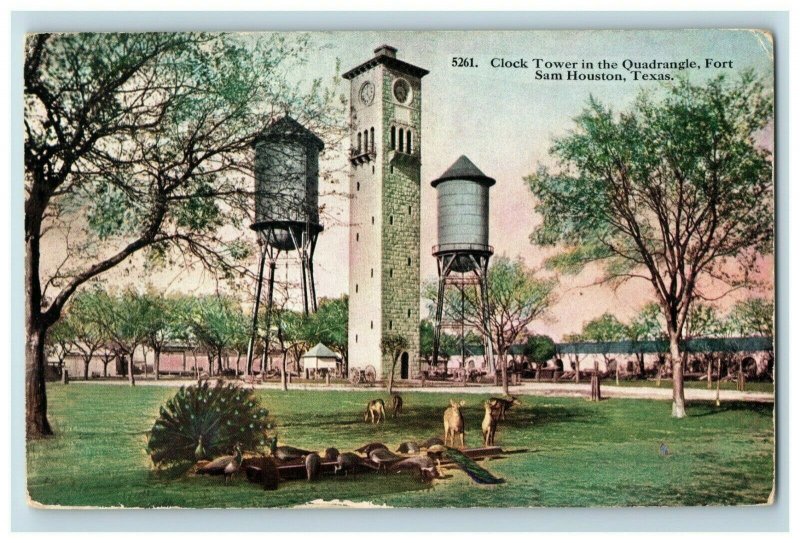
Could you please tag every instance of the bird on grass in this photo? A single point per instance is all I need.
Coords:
(466, 464)
(369, 447)
(263, 471)
(284, 453)
(663, 450)
(313, 464)
(423, 465)
(409, 447)
(431, 442)
(222, 465)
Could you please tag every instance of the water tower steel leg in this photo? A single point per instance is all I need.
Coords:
(444, 263)
(254, 327)
(311, 273)
(301, 249)
(270, 293)
(482, 271)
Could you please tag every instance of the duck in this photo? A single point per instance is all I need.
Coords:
(384, 458)
(348, 463)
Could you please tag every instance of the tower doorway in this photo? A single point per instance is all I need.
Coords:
(404, 366)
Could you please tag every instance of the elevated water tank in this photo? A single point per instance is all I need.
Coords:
(286, 183)
(462, 194)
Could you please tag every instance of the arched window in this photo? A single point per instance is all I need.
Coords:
(372, 272)
(409, 210)
(373, 219)
(391, 219)
(392, 138)
(372, 139)
(359, 143)
(356, 287)
(408, 141)
(390, 324)
(366, 141)
(370, 325)
(357, 236)
(409, 258)
(356, 338)
(400, 140)
(391, 272)
(358, 186)
(408, 313)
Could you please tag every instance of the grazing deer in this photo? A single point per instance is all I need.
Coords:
(397, 405)
(502, 405)
(454, 423)
(489, 424)
(376, 411)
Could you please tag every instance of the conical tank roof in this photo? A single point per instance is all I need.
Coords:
(463, 168)
(288, 128)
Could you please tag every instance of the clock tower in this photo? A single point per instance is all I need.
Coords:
(386, 145)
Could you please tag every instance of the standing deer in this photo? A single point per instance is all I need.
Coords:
(376, 411)
(502, 405)
(489, 425)
(397, 405)
(454, 423)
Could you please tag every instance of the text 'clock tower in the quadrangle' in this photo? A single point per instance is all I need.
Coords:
(384, 285)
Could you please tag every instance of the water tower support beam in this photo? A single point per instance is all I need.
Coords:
(312, 288)
(301, 250)
(444, 263)
(481, 268)
(254, 327)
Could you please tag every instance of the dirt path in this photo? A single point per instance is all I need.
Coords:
(525, 389)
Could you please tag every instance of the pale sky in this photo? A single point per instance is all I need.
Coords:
(504, 120)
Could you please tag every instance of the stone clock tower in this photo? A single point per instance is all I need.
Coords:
(384, 284)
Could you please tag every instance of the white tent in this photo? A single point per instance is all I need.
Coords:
(319, 357)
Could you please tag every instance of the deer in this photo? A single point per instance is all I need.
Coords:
(375, 411)
(489, 425)
(397, 405)
(454, 423)
(502, 405)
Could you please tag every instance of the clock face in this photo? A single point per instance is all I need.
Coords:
(367, 93)
(402, 90)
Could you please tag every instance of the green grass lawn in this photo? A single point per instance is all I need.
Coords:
(756, 386)
(578, 453)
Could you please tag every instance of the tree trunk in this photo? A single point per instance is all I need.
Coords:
(86, 368)
(36, 423)
(640, 364)
(503, 369)
(284, 377)
(678, 399)
(144, 358)
(391, 375)
(156, 362)
(709, 368)
(616, 371)
(131, 378)
(719, 377)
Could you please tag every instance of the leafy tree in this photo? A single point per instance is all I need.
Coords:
(605, 328)
(646, 326)
(539, 349)
(123, 319)
(393, 345)
(659, 193)
(138, 142)
(219, 324)
(752, 317)
(60, 342)
(88, 337)
(516, 297)
(328, 325)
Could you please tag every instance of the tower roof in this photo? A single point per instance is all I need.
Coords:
(463, 168)
(288, 128)
(386, 55)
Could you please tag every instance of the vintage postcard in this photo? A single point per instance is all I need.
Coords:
(399, 269)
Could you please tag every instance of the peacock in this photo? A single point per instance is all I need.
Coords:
(202, 422)
(285, 453)
(466, 464)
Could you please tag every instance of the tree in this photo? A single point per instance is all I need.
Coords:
(539, 349)
(393, 345)
(661, 193)
(605, 328)
(123, 320)
(646, 326)
(218, 324)
(60, 342)
(752, 317)
(88, 338)
(517, 297)
(144, 138)
(328, 325)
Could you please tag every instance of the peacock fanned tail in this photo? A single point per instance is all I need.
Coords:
(207, 419)
(477, 473)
